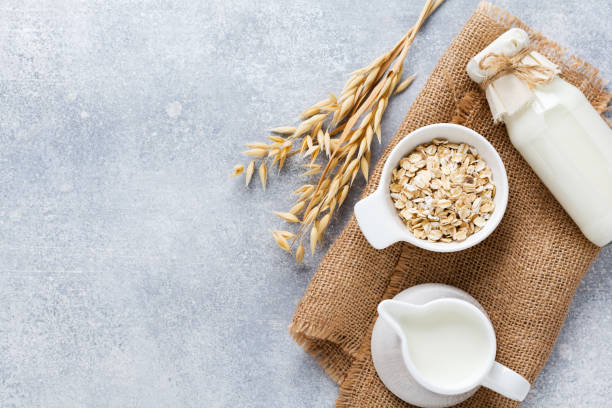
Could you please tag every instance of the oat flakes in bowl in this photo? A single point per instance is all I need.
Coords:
(443, 191)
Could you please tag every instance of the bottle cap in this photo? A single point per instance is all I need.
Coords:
(507, 94)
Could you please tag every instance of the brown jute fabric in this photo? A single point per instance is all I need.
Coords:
(524, 274)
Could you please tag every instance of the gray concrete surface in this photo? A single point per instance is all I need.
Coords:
(133, 272)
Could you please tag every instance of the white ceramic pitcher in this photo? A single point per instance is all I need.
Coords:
(485, 372)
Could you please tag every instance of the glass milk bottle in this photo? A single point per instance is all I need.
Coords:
(554, 127)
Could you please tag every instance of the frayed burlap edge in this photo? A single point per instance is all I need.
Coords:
(347, 388)
(311, 338)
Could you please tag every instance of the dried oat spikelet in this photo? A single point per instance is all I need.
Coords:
(339, 129)
(281, 241)
(299, 254)
(258, 153)
(249, 172)
(283, 130)
(287, 216)
(314, 235)
(263, 174)
(401, 87)
(238, 169)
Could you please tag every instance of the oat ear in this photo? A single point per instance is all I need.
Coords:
(343, 127)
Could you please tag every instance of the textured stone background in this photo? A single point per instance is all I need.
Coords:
(133, 272)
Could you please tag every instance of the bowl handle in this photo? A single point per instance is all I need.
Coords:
(372, 214)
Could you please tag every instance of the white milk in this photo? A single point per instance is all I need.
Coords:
(569, 146)
(558, 132)
(448, 344)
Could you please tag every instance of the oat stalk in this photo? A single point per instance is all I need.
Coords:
(339, 129)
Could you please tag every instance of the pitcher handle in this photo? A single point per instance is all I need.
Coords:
(507, 382)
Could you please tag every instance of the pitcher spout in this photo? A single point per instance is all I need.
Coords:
(392, 311)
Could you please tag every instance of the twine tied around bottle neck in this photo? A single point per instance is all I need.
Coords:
(502, 65)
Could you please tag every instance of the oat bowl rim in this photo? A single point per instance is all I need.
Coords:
(378, 218)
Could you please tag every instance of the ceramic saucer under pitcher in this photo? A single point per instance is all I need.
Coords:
(392, 356)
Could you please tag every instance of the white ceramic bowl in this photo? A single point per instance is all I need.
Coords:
(379, 220)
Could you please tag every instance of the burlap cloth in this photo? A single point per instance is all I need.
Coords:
(524, 274)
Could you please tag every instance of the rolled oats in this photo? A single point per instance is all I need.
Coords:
(443, 191)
